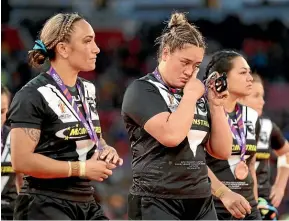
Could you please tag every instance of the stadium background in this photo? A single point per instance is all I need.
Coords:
(125, 32)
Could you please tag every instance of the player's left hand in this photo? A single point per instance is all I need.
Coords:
(276, 195)
(109, 155)
(215, 98)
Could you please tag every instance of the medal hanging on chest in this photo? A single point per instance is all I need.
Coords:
(241, 170)
(86, 120)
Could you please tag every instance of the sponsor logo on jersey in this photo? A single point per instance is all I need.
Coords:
(201, 105)
(201, 122)
(263, 137)
(75, 132)
(262, 156)
(201, 108)
(62, 107)
(64, 114)
(92, 103)
(173, 103)
(7, 169)
(250, 127)
(249, 147)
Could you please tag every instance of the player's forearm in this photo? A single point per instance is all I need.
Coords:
(255, 187)
(40, 166)
(282, 178)
(221, 136)
(179, 122)
(24, 160)
(254, 177)
(283, 167)
(217, 187)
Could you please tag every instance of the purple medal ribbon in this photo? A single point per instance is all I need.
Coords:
(240, 137)
(87, 122)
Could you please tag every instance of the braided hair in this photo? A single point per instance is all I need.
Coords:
(221, 62)
(56, 29)
(178, 33)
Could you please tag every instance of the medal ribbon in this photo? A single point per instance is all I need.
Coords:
(240, 137)
(158, 76)
(87, 122)
(177, 93)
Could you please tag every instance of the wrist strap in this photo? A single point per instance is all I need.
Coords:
(219, 192)
(82, 171)
(75, 168)
(69, 170)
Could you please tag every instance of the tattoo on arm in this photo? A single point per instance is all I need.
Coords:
(34, 134)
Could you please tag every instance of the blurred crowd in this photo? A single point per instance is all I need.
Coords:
(123, 59)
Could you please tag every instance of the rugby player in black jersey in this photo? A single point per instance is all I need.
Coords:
(56, 136)
(169, 126)
(234, 183)
(270, 138)
(8, 190)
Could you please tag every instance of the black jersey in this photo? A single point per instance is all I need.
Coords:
(224, 169)
(270, 138)
(159, 171)
(8, 189)
(40, 104)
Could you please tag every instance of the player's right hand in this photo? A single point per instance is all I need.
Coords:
(236, 204)
(98, 170)
(194, 86)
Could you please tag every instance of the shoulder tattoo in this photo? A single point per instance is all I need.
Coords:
(34, 134)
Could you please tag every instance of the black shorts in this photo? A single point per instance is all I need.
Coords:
(149, 208)
(255, 215)
(40, 207)
(7, 211)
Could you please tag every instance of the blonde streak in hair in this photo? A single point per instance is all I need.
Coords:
(175, 36)
(197, 35)
(50, 43)
(64, 30)
(177, 19)
(195, 38)
(58, 39)
(60, 31)
(53, 43)
(68, 26)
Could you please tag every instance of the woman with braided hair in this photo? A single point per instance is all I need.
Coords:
(270, 140)
(8, 190)
(56, 137)
(170, 125)
(234, 183)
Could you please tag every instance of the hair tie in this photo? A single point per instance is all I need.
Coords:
(39, 45)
